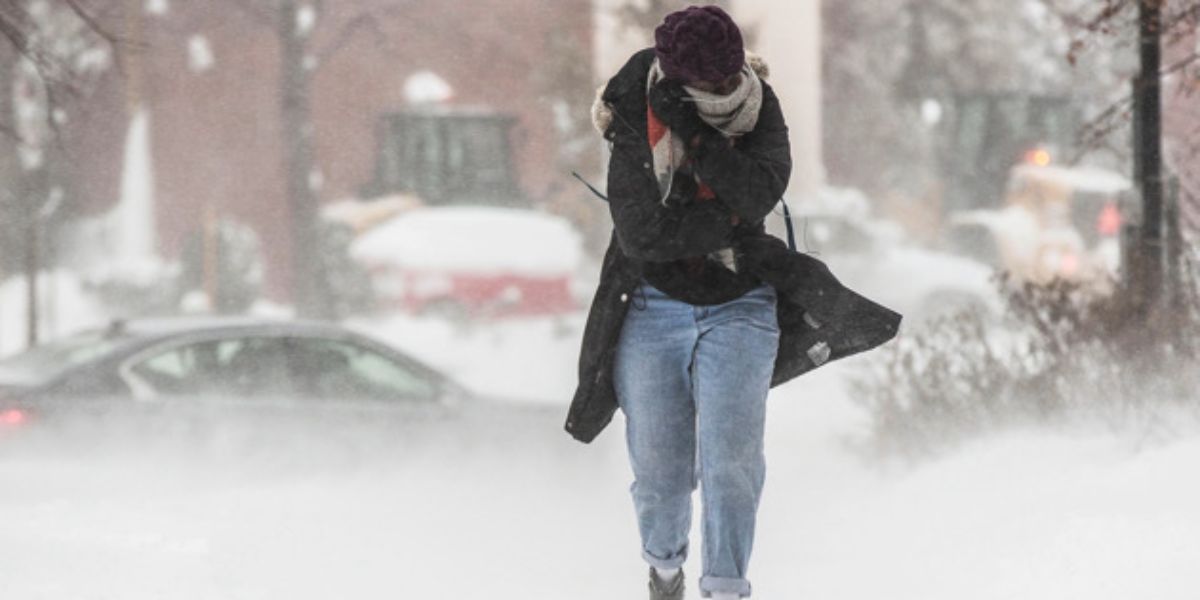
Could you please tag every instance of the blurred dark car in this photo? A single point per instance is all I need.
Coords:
(214, 366)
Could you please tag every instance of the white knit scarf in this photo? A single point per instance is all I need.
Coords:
(733, 115)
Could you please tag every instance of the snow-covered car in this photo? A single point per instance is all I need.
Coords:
(297, 367)
(875, 258)
(474, 261)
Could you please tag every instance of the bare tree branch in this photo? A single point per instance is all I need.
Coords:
(13, 21)
(56, 76)
(368, 22)
(1093, 133)
(92, 23)
(352, 28)
(1180, 64)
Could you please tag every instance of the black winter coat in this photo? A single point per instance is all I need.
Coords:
(820, 320)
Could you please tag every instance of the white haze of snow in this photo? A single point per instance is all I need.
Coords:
(316, 180)
(847, 202)
(306, 19)
(200, 54)
(508, 506)
(931, 112)
(474, 239)
(157, 7)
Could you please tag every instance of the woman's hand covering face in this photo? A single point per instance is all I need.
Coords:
(675, 108)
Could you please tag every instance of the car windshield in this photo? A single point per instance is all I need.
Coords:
(43, 363)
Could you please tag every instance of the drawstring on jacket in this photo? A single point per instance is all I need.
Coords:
(639, 292)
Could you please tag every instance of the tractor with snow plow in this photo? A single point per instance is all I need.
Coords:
(1011, 203)
(1056, 223)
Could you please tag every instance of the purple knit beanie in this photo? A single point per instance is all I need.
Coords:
(699, 43)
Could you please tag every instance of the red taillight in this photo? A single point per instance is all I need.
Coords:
(1109, 221)
(13, 417)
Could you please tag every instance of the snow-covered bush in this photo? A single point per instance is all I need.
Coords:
(1068, 356)
(232, 258)
(134, 289)
(347, 282)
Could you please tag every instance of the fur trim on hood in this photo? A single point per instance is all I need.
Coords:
(602, 113)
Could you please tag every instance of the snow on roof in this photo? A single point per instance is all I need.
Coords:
(192, 323)
(477, 239)
(1087, 179)
(427, 87)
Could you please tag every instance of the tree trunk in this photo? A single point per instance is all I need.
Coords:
(31, 275)
(1148, 270)
(1176, 293)
(33, 188)
(308, 281)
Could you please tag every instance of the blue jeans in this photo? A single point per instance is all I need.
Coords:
(692, 382)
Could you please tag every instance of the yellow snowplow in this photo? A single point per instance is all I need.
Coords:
(1057, 222)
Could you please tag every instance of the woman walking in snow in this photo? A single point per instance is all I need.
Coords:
(695, 356)
(721, 310)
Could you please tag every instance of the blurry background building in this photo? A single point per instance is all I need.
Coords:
(198, 130)
(1182, 127)
(483, 96)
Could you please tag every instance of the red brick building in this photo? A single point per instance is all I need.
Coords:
(1181, 125)
(209, 75)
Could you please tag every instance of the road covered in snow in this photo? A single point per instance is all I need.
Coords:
(504, 504)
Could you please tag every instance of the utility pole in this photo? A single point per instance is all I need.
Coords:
(1148, 279)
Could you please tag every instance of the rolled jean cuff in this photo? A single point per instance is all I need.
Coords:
(710, 584)
(673, 562)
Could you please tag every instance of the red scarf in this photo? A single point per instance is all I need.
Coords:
(656, 132)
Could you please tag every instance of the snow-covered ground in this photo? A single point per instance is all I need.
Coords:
(526, 512)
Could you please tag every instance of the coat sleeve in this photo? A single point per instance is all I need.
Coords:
(647, 230)
(750, 176)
